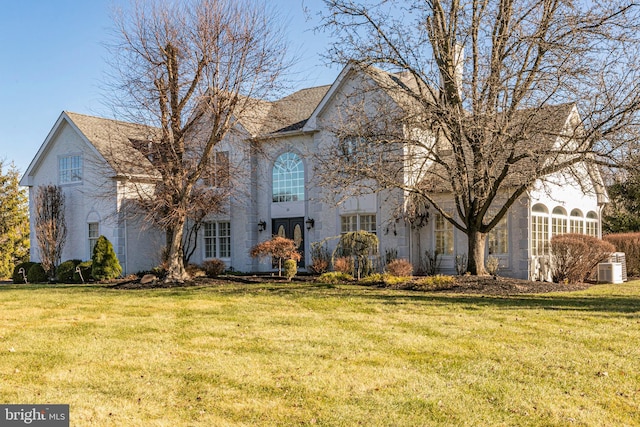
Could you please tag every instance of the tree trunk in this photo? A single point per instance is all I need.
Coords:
(176, 272)
(475, 254)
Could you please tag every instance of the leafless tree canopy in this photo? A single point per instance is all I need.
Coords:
(190, 69)
(485, 92)
(50, 226)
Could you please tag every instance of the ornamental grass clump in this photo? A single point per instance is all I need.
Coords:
(400, 268)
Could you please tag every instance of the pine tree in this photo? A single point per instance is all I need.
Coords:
(14, 221)
(105, 263)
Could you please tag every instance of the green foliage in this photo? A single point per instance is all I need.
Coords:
(360, 246)
(86, 268)
(622, 214)
(17, 276)
(14, 221)
(37, 274)
(66, 270)
(105, 262)
(574, 256)
(214, 267)
(335, 277)
(373, 279)
(438, 282)
(290, 268)
(629, 243)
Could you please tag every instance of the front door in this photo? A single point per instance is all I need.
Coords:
(291, 228)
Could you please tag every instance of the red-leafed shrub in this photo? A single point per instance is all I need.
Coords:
(629, 243)
(400, 268)
(575, 256)
(343, 265)
(214, 267)
(279, 248)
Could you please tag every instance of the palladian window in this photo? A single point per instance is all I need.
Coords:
(288, 178)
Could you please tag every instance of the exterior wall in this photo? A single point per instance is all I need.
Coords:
(92, 200)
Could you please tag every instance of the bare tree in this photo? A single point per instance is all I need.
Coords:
(477, 100)
(192, 69)
(50, 226)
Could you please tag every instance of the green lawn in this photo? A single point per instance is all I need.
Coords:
(300, 354)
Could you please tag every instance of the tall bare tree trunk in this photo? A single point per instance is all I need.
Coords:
(175, 259)
(476, 246)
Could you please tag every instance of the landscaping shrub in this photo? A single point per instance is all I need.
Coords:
(343, 265)
(373, 279)
(575, 256)
(290, 268)
(65, 271)
(335, 277)
(86, 268)
(279, 248)
(105, 262)
(17, 276)
(492, 265)
(360, 246)
(213, 267)
(396, 281)
(194, 270)
(36, 274)
(434, 283)
(629, 243)
(400, 268)
(320, 258)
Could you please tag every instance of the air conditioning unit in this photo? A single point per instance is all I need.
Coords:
(620, 257)
(610, 272)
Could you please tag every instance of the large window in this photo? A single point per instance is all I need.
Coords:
(498, 238)
(288, 178)
(217, 239)
(70, 169)
(350, 223)
(592, 224)
(576, 222)
(558, 221)
(93, 233)
(539, 230)
(217, 174)
(443, 236)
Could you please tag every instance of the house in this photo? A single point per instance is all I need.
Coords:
(276, 190)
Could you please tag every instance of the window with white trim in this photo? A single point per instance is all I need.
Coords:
(592, 224)
(217, 239)
(288, 178)
(443, 233)
(349, 223)
(539, 230)
(217, 174)
(93, 233)
(498, 238)
(70, 169)
(576, 222)
(558, 221)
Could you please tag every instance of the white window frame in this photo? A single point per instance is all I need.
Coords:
(591, 224)
(288, 179)
(558, 221)
(216, 240)
(444, 243)
(70, 169)
(498, 238)
(358, 222)
(92, 236)
(576, 222)
(540, 231)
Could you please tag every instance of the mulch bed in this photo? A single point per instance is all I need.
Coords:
(486, 285)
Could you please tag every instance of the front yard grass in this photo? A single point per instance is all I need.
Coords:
(304, 354)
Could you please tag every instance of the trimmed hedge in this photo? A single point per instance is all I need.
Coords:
(37, 274)
(66, 270)
(575, 256)
(85, 269)
(629, 243)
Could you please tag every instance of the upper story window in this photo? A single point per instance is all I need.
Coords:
(217, 174)
(70, 169)
(288, 178)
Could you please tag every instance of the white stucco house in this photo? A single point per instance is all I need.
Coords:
(277, 192)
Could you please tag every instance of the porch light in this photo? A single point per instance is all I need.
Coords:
(262, 226)
(310, 223)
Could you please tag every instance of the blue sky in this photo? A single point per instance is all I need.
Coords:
(53, 59)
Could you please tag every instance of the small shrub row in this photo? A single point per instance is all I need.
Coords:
(629, 243)
(335, 277)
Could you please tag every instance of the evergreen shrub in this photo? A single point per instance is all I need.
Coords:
(37, 274)
(290, 268)
(17, 276)
(85, 269)
(105, 262)
(65, 271)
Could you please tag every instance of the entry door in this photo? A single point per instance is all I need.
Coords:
(291, 228)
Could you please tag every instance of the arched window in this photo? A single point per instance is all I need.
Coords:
(576, 222)
(539, 230)
(288, 178)
(558, 221)
(592, 223)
